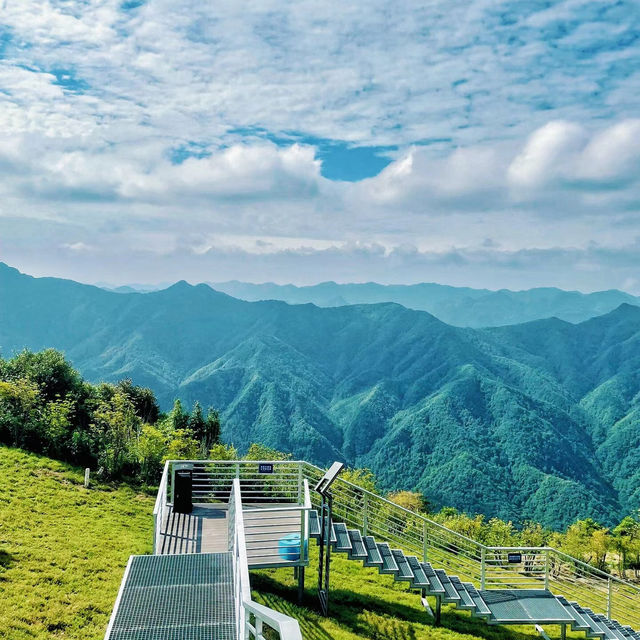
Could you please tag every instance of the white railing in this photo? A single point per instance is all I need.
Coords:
(278, 535)
(251, 617)
(279, 498)
(160, 509)
(212, 480)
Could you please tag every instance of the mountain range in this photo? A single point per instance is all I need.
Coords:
(538, 421)
(458, 306)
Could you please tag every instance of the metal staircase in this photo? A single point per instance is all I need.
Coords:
(263, 514)
(496, 606)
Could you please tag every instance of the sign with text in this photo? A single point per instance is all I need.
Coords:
(265, 467)
(515, 558)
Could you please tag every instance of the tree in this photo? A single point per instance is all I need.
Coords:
(142, 399)
(498, 533)
(587, 540)
(151, 449)
(213, 429)
(48, 369)
(58, 425)
(19, 417)
(261, 452)
(182, 446)
(533, 534)
(223, 452)
(410, 500)
(117, 426)
(625, 540)
(178, 418)
(363, 478)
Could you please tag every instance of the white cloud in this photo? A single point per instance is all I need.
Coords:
(547, 154)
(510, 122)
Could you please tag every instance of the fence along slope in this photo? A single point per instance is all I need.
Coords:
(485, 567)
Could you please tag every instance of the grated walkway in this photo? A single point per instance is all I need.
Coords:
(175, 597)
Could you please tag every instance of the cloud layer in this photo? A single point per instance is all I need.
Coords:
(149, 140)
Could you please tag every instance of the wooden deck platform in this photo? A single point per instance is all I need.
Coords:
(206, 530)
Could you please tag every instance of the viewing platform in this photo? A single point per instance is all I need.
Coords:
(204, 530)
(214, 521)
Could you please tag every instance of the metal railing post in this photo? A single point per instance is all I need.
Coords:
(365, 515)
(425, 545)
(609, 595)
(546, 569)
(483, 569)
(173, 484)
(300, 484)
(155, 534)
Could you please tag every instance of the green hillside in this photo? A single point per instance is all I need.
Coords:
(532, 421)
(63, 550)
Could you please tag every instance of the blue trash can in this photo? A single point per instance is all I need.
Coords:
(289, 547)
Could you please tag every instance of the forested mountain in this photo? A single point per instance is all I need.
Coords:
(539, 420)
(458, 306)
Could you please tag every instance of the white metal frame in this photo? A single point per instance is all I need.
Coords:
(160, 508)
(246, 609)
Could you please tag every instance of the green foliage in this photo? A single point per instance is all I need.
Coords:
(151, 450)
(116, 426)
(223, 452)
(363, 478)
(260, 452)
(410, 500)
(178, 419)
(46, 407)
(182, 446)
(47, 370)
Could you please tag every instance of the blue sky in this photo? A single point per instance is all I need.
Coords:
(483, 143)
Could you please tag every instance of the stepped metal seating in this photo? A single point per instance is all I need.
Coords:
(250, 514)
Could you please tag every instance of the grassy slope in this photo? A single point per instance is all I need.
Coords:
(364, 604)
(63, 550)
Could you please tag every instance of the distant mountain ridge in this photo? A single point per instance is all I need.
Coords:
(458, 306)
(539, 420)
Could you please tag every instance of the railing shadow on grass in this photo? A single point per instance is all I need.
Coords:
(367, 616)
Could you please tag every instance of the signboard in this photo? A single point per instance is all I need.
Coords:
(265, 467)
(515, 558)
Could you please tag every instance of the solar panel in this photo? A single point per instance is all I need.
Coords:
(177, 597)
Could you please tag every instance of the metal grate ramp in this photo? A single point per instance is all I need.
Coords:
(177, 597)
(524, 606)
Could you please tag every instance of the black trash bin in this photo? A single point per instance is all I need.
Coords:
(183, 492)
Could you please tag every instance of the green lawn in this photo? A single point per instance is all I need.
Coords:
(365, 604)
(63, 550)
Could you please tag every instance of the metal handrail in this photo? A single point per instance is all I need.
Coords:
(245, 608)
(160, 507)
(472, 560)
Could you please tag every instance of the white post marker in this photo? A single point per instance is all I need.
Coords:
(86, 478)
